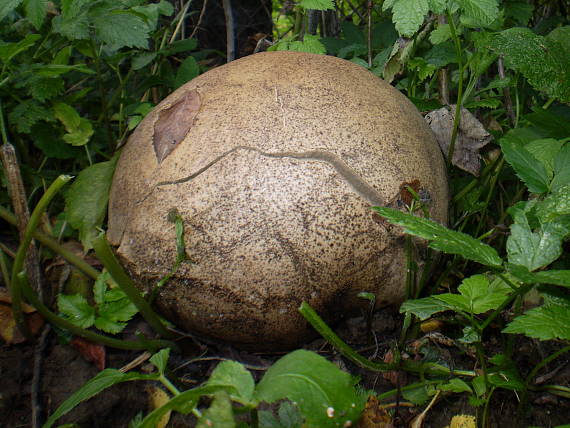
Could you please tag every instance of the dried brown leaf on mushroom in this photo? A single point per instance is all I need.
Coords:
(471, 137)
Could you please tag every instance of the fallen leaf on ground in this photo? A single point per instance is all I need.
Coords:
(92, 352)
(471, 137)
(374, 416)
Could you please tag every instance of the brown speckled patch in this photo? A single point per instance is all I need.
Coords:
(274, 181)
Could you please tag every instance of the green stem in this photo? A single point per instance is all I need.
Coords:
(105, 254)
(412, 366)
(151, 345)
(166, 382)
(459, 101)
(519, 292)
(53, 245)
(15, 292)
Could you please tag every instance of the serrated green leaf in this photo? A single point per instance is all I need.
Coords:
(480, 13)
(534, 249)
(67, 115)
(102, 381)
(27, 114)
(482, 295)
(408, 15)
(86, 200)
(317, 4)
(188, 70)
(178, 46)
(442, 54)
(43, 88)
(109, 326)
(554, 277)
(100, 287)
(120, 28)
(326, 396)
(441, 34)
(236, 378)
(555, 205)
(455, 385)
(546, 322)
(455, 301)
(36, 11)
(519, 11)
(442, 238)
(219, 414)
(426, 307)
(561, 169)
(437, 6)
(7, 6)
(310, 44)
(160, 360)
(544, 61)
(73, 22)
(76, 308)
(528, 168)
(119, 310)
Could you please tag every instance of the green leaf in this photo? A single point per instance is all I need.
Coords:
(310, 44)
(528, 168)
(442, 238)
(546, 322)
(455, 385)
(160, 360)
(73, 22)
(67, 115)
(479, 13)
(317, 4)
(545, 150)
(178, 46)
(441, 34)
(555, 205)
(142, 60)
(76, 308)
(10, 50)
(544, 61)
(426, 307)
(437, 6)
(408, 15)
(186, 72)
(220, 414)
(80, 135)
(119, 310)
(239, 381)
(109, 326)
(418, 395)
(555, 277)
(27, 113)
(7, 6)
(120, 28)
(561, 169)
(326, 396)
(534, 249)
(483, 295)
(36, 11)
(100, 287)
(103, 380)
(86, 200)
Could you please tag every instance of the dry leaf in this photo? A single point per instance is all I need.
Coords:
(173, 124)
(471, 137)
(374, 416)
(418, 421)
(92, 352)
(158, 398)
(395, 377)
(8, 329)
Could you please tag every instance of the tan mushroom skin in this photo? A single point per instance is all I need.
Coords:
(273, 162)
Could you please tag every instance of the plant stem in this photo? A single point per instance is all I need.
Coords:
(457, 117)
(15, 292)
(544, 362)
(53, 245)
(105, 254)
(412, 366)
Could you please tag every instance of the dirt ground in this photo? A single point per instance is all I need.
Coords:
(64, 369)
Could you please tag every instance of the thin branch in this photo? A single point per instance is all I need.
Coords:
(230, 31)
(197, 27)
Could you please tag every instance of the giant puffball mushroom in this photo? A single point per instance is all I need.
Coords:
(273, 162)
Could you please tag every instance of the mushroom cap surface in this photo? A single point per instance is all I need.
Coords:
(273, 162)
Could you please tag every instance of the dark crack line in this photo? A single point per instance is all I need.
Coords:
(354, 180)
